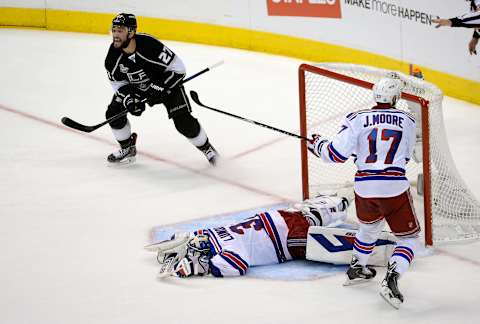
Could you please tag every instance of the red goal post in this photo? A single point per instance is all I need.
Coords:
(329, 91)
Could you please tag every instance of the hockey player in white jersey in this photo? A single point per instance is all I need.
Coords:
(381, 141)
(269, 237)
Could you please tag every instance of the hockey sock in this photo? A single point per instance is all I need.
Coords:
(123, 134)
(403, 254)
(362, 250)
(200, 140)
(365, 240)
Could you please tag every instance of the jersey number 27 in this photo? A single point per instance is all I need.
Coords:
(166, 55)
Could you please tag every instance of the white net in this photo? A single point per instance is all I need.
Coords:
(455, 213)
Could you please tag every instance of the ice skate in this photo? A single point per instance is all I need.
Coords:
(389, 289)
(126, 154)
(210, 153)
(357, 273)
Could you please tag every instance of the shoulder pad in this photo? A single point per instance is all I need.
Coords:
(112, 57)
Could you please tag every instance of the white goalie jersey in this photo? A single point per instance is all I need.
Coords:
(269, 237)
(259, 240)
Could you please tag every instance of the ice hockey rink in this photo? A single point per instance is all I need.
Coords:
(72, 228)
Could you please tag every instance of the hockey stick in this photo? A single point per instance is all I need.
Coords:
(195, 98)
(84, 128)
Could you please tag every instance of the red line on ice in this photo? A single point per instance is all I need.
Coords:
(146, 154)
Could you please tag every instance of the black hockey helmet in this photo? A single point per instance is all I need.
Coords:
(125, 19)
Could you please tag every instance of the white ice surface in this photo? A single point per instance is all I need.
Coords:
(72, 229)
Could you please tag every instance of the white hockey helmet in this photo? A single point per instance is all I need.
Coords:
(387, 90)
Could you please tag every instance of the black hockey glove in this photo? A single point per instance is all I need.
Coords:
(160, 88)
(133, 105)
(155, 94)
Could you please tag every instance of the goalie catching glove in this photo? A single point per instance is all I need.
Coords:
(315, 144)
(183, 256)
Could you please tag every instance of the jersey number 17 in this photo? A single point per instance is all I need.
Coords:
(386, 135)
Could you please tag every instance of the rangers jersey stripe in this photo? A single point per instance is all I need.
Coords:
(235, 261)
(334, 155)
(272, 232)
(392, 173)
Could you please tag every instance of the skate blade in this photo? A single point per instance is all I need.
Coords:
(392, 301)
(126, 161)
(354, 282)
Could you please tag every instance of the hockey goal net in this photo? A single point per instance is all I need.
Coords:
(329, 91)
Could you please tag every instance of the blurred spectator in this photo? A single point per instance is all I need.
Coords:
(468, 20)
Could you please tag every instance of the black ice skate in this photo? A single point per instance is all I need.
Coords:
(389, 290)
(127, 152)
(357, 273)
(210, 153)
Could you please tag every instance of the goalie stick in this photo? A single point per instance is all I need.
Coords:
(84, 128)
(195, 98)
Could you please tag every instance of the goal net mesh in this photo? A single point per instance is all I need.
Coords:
(454, 212)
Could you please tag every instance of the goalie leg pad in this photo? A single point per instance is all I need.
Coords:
(335, 245)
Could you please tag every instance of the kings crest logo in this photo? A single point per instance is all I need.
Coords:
(123, 68)
(120, 19)
(138, 77)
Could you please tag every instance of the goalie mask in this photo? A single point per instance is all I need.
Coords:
(387, 90)
(198, 245)
(197, 258)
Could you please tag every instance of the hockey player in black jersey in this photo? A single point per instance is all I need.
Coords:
(142, 70)
(467, 20)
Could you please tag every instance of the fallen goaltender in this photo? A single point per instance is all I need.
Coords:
(304, 230)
